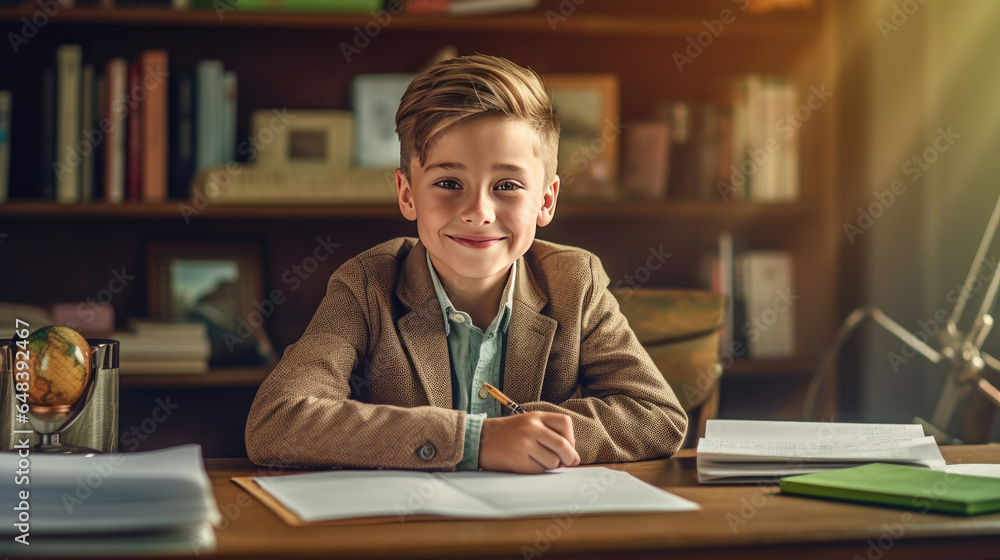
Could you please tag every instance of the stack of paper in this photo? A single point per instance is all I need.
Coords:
(163, 348)
(393, 496)
(738, 451)
(116, 503)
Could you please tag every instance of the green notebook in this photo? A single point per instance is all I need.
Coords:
(901, 486)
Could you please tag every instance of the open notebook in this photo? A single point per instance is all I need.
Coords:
(387, 496)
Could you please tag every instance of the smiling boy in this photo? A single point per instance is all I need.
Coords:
(388, 373)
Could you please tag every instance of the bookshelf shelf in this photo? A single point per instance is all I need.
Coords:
(794, 368)
(567, 209)
(223, 377)
(527, 22)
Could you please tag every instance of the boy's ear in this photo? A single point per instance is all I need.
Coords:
(405, 196)
(549, 197)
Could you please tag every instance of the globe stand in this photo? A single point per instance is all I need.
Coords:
(50, 444)
(50, 421)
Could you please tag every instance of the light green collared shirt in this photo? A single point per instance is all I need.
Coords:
(476, 358)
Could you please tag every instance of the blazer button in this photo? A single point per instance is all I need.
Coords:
(426, 452)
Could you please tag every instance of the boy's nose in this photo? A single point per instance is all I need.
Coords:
(479, 209)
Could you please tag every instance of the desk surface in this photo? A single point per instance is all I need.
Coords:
(753, 521)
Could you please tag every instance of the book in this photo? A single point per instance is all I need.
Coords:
(227, 126)
(647, 159)
(182, 133)
(380, 496)
(115, 111)
(153, 67)
(47, 178)
(209, 83)
(741, 451)
(86, 119)
(133, 150)
(468, 7)
(765, 303)
(5, 111)
(338, 6)
(103, 505)
(901, 486)
(69, 60)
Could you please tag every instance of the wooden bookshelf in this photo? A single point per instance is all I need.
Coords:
(219, 377)
(294, 60)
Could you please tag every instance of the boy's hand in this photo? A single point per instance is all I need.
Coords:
(528, 443)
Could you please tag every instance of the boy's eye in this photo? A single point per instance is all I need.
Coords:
(508, 186)
(447, 184)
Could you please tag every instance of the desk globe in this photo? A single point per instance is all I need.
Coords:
(60, 380)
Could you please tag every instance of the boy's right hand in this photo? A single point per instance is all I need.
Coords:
(528, 443)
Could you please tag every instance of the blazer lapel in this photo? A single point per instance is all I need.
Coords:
(529, 339)
(422, 328)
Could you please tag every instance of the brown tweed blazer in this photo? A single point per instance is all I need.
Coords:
(369, 382)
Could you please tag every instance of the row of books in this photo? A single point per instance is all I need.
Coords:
(743, 147)
(135, 130)
(760, 318)
(453, 7)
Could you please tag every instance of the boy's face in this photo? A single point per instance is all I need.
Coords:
(479, 198)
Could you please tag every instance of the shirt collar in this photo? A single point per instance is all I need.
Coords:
(503, 311)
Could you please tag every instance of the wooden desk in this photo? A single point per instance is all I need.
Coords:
(749, 521)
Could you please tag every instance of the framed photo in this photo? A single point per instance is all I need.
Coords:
(302, 137)
(215, 283)
(375, 100)
(590, 136)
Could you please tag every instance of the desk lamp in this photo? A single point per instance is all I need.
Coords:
(960, 350)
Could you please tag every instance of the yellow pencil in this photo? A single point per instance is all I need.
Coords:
(504, 399)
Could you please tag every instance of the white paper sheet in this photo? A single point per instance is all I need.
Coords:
(578, 491)
(744, 430)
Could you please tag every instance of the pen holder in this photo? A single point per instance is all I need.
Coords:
(97, 424)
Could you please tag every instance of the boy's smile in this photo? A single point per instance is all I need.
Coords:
(478, 200)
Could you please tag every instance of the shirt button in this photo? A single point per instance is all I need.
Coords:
(458, 318)
(483, 393)
(426, 452)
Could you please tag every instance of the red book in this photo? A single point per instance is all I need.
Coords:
(153, 148)
(134, 92)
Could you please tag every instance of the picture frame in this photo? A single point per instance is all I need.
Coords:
(302, 138)
(590, 138)
(216, 283)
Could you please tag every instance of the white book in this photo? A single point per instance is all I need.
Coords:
(790, 164)
(114, 154)
(228, 113)
(741, 451)
(769, 294)
(5, 110)
(483, 7)
(69, 59)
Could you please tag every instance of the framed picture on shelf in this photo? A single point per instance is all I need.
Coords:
(590, 135)
(215, 283)
(303, 137)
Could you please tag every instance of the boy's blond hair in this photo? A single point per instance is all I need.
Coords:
(458, 89)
